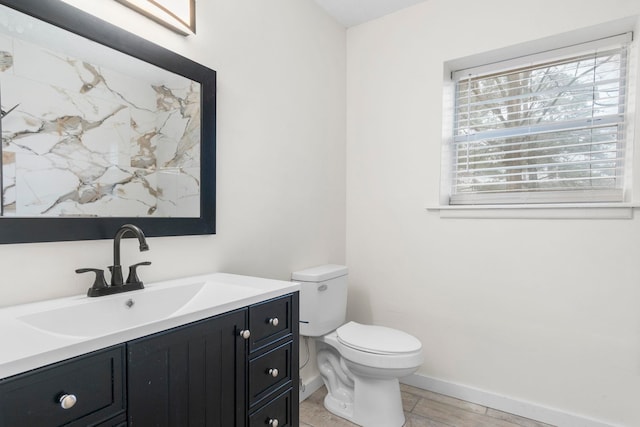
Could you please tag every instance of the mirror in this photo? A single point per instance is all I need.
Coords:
(100, 128)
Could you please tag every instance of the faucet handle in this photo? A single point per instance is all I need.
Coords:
(98, 284)
(133, 273)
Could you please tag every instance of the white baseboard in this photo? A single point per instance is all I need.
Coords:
(503, 403)
(310, 386)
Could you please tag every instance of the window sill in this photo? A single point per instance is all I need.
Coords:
(539, 211)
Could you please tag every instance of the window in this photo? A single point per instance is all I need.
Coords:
(548, 128)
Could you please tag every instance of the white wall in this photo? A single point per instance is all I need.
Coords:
(544, 311)
(280, 146)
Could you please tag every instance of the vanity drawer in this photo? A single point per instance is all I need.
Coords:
(269, 321)
(279, 409)
(269, 372)
(96, 380)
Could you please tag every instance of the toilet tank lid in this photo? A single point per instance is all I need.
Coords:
(320, 273)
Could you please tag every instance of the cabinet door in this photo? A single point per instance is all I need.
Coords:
(190, 376)
(96, 380)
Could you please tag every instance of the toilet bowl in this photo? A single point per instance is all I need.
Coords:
(360, 364)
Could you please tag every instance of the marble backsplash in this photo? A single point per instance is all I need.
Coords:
(88, 139)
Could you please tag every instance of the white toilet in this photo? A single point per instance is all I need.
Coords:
(360, 364)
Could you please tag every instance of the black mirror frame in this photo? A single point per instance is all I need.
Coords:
(52, 229)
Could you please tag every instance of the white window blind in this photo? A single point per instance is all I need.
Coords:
(550, 131)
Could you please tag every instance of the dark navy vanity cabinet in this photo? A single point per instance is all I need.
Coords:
(208, 373)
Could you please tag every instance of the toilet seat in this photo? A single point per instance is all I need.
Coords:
(377, 339)
(378, 354)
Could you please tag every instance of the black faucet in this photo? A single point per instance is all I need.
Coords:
(116, 268)
(133, 282)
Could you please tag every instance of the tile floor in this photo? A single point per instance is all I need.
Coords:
(422, 409)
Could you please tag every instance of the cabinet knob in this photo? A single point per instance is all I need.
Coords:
(274, 321)
(273, 422)
(273, 372)
(245, 333)
(67, 401)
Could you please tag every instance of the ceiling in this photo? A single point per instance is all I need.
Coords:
(354, 12)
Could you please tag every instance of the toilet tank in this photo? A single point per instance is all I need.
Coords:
(323, 298)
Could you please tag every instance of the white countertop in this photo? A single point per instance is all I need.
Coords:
(24, 346)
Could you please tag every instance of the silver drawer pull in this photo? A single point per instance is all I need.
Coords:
(245, 333)
(67, 401)
(273, 422)
(274, 321)
(273, 372)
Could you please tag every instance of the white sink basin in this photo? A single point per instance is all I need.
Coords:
(103, 315)
(99, 316)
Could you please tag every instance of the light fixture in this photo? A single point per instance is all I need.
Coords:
(177, 15)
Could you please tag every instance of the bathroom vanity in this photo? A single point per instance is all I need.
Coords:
(224, 352)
